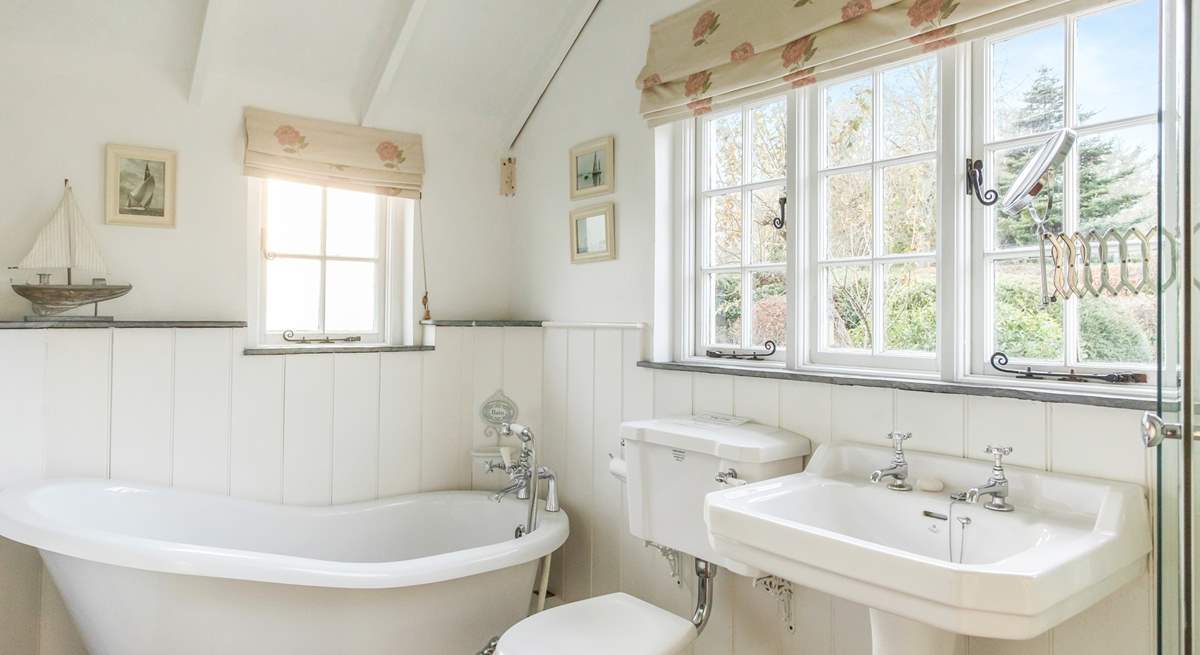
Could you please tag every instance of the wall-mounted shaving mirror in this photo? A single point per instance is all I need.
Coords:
(1028, 182)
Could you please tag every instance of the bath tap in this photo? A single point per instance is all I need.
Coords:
(525, 475)
(898, 469)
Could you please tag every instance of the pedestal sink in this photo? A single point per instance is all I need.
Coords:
(933, 569)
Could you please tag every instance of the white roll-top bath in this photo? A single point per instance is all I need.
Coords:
(134, 561)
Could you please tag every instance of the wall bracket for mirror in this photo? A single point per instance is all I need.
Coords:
(999, 362)
(735, 353)
(975, 184)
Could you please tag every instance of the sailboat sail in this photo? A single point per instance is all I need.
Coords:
(65, 242)
(142, 196)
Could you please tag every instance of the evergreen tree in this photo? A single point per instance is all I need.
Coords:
(1102, 169)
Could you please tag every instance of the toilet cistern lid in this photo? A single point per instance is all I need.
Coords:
(604, 625)
(735, 440)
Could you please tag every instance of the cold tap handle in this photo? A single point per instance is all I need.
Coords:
(998, 454)
(898, 439)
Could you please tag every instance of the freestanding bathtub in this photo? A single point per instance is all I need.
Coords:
(148, 570)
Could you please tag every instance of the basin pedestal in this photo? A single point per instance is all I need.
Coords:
(896, 635)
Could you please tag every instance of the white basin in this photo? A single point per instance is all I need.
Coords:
(965, 570)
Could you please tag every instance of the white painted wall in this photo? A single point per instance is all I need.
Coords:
(88, 75)
(592, 96)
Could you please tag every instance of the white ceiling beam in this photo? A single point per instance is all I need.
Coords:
(213, 33)
(387, 71)
(552, 65)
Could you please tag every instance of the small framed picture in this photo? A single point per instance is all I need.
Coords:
(593, 168)
(593, 237)
(139, 186)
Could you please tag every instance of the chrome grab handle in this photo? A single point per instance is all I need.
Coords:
(1155, 430)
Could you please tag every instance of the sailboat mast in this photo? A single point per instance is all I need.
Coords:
(70, 239)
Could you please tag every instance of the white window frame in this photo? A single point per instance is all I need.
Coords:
(392, 267)
(817, 263)
(961, 351)
(746, 269)
(984, 252)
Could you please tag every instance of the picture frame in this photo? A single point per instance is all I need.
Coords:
(593, 168)
(593, 233)
(139, 186)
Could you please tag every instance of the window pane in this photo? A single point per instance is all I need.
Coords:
(293, 294)
(727, 308)
(1118, 329)
(1116, 55)
(1118, 179)
(1013, 231)
(349, 296)
(768, 141)
(847, 122)
(1024, 328)
(848, 214)
(770, 308)
(848, 307)
(911, 307)
(909, 108)
(725, 222)
(769, 245)
(1027, 83)
(353, 224)
(293, 218)
(910, 208)
(725, 151)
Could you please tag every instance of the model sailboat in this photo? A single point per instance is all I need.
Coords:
(65, 242)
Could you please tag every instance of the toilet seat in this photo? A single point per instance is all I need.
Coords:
(604, 625)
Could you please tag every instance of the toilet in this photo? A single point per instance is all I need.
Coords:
(669, 465)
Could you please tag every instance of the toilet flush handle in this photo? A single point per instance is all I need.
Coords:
(729, 478)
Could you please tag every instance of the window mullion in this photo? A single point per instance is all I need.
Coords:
(878, 316)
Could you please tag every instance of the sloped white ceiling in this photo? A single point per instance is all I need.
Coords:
(468, 60)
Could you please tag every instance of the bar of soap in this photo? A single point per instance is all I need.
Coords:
(930, 484)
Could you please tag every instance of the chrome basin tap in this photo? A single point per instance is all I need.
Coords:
(996, 487)
(897, 471)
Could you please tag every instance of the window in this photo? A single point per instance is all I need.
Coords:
(876, 191)
(323, 262)
(884, 265)
(1064, 74)
(742, 262)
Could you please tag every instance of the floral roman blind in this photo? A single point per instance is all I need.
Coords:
(724, 51)
(333, 154)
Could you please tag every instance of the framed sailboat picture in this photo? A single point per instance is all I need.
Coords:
(593, 168)
(139, 186)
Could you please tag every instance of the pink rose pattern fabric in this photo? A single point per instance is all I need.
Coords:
(697, 84)
(390, 154)
(925, 14)
(930, 12)
(798, 52)
(744, 51)
(291, 139)
(856, 8)
(708, 23)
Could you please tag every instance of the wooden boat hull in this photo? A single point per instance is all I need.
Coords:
(50, 299)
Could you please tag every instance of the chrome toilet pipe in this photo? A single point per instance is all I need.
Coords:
(705, 572)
